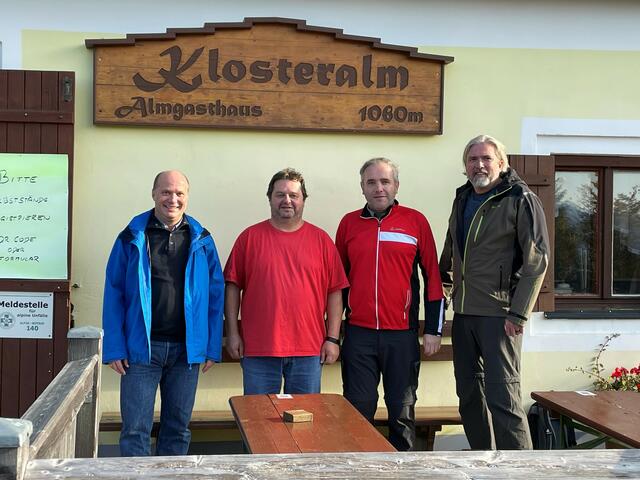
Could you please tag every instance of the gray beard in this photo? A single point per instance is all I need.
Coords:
(480, 181)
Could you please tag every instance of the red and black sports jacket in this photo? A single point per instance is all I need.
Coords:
(382, 259)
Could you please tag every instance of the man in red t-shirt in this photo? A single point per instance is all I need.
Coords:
(283, 275)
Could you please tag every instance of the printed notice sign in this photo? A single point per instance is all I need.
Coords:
(26, 315)
(33, 216)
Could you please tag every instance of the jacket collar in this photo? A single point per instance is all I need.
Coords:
(139, 223)
(154, 222)
(366, 213)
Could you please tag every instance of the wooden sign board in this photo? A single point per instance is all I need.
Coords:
(267, 73)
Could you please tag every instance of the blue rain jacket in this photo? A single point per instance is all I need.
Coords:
(126, 313)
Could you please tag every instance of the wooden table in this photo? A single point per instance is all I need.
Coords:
(336, 427)
(478, 465)
(613, 413)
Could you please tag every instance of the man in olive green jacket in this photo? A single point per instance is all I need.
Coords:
(492, 266)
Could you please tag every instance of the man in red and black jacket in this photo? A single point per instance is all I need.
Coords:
(382, 248)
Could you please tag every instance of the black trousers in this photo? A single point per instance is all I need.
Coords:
(486, 363)
(394, 354)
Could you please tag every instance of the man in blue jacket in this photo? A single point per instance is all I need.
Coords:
(162, 317)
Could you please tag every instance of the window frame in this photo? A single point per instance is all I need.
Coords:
(604, 165)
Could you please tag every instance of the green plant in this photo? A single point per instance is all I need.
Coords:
(619, 379)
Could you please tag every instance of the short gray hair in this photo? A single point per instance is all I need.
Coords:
(386, 161)
(497, 145)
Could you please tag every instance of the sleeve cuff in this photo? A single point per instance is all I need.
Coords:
(516, 318)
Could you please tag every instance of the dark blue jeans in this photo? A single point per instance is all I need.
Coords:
(178, 381)
(264, 374)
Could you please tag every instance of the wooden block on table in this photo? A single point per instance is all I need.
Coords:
(297, 416)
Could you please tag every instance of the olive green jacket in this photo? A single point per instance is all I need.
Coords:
(498, 269)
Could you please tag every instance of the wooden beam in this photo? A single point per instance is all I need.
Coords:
(14, 447)
(444, 355)
(35, 116)
(85, 342)
(495, 465)
(53, 413)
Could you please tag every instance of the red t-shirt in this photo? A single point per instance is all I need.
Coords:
(285, 278)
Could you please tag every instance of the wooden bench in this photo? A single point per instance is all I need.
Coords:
(444, 355)
(429, 421)
(200, 420)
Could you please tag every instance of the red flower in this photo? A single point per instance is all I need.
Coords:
(619, 379)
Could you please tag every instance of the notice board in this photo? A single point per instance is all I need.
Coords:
(34, 223)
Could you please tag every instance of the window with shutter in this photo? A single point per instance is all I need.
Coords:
(597, 232)
(592, 206)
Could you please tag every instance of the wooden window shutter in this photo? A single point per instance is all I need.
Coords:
(538, 171)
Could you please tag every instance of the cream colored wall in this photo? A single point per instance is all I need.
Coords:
(486, 90)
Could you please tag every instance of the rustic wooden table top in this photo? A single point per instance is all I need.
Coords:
(336, 427)
(613, 413)
(501, 465)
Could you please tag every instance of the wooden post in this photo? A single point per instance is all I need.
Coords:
(14, 447)
(85, 342)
